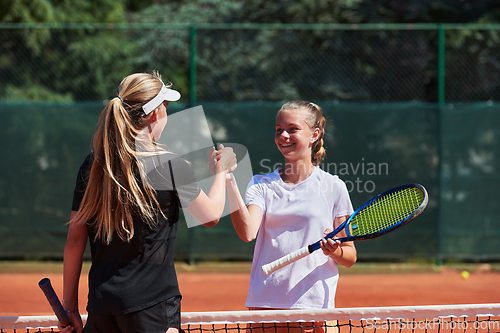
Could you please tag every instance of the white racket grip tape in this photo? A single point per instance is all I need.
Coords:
(286, 260)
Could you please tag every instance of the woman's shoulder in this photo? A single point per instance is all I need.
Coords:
(87, 163)
(265, 178)
(324, 176)
(162, 158)
(173, 158)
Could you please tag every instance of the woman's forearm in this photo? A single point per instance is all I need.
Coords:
(244, 223)
(73, 258)
(345, 254)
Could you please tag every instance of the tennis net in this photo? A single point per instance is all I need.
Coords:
(438, 318)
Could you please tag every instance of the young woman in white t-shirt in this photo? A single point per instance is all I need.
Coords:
(288, 209)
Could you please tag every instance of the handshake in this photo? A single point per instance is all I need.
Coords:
(222, 160)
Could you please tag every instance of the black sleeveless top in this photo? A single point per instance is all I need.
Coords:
(131, 276)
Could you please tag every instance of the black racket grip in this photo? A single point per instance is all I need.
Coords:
(54, 302)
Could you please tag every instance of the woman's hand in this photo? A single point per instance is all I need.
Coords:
(213, 158)
(220, 160)
(343, 253)
(76, 323)
(330, 245)
(228, 159)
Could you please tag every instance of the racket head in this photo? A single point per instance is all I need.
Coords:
(386, 212)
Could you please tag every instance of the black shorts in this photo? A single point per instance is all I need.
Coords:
(156, 319)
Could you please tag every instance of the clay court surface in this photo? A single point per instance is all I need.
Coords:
(206, 290)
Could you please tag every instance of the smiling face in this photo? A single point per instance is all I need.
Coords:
(294, 137)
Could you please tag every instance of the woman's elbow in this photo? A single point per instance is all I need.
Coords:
(247, 238)
(351, 262)
(212, 223)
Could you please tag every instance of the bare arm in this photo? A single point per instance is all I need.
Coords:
(73, 258)
(246, 220)
(342, 253)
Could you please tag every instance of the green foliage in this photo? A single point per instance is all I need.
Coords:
(417, 11)
(26, 11)
(35, 93)
(90, 11)
(63, 65)
(101, 60)
(238, 65)
(323, 11)
(300, 11)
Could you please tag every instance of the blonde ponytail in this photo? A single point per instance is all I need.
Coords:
(114, 192)
(318, 151)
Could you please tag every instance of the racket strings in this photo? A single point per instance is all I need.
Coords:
(387, 211)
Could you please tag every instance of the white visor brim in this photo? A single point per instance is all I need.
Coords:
(165, 94)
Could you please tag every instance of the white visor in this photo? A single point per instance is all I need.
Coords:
(165, 94)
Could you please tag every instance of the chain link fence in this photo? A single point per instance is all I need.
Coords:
(404, 104)
(238, 63)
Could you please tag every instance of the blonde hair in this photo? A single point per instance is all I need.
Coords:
(315, 119)
(114, 194)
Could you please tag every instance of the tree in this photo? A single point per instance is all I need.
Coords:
(245, 64)
(436, 11)
(62, 65)
(378, 66)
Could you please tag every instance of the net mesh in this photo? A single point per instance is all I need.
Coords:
(387, 211)
(442, 319)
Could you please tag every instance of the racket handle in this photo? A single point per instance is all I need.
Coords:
(54, 302)
(286, 260)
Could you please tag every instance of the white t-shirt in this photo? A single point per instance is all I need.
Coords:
(295, 216)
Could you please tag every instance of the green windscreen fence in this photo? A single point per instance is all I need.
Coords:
(452, 150)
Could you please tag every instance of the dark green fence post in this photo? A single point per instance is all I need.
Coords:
(192, 69)
(192, 102)
(441, 102)
(441, 65)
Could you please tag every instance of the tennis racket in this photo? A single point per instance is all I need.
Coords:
(54, 302)
(384, 213)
